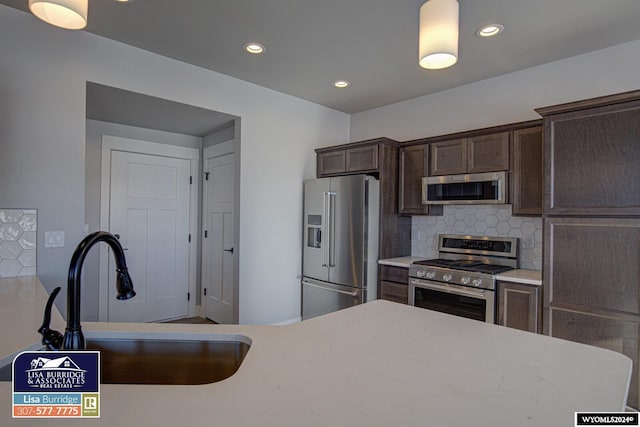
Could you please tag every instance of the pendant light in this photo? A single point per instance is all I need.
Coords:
(69, 14)
(438, 45)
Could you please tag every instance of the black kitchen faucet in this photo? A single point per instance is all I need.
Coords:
(73, 338)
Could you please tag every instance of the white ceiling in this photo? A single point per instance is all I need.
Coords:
(372, 43)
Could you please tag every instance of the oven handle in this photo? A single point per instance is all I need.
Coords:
(453, 289)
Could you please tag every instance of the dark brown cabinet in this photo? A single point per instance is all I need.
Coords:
(393, 283)
(449, 157)
(527, 172)
(348, 160)
(414, 164)
(593, 157)
(591, 265)
(520, 306)
(379, 158)
(483, 153)
(488, 153)
(591, 274)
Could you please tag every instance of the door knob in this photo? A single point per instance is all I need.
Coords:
(228, 250)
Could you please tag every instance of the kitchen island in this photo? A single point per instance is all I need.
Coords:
(376, 364)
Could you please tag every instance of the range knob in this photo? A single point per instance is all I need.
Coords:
(431, 274)
(465, 280)
(477, 282)
(420, 273)
(447, 277)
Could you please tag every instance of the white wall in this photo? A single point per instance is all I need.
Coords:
(505, 99)
(43, 73)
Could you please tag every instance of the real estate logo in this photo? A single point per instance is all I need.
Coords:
(52, 384)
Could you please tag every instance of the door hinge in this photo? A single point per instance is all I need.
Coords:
(188, 296)
(190, 180)
(206, 176)
(189, 237)
(206, 234)
(205, 292)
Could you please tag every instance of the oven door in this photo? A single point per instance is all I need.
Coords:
(472, 303)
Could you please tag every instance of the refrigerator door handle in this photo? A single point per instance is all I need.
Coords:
(353, 294)
(332, 229)
(324, 242)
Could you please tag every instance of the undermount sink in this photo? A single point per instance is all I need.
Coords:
(170, 359)
(163, 358)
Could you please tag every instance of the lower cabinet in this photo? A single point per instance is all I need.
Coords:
(520, 306)
(393, 283)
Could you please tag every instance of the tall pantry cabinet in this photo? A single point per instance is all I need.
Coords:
(591, 266)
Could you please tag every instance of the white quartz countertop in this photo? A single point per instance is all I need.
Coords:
(404, 261)
(376, 364)
(528, 277)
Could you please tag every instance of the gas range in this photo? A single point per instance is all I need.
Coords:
(469, 260)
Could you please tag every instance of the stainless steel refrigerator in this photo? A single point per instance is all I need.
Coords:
(340, 248)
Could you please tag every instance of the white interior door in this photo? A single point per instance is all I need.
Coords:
(218, 279)
(149, 209)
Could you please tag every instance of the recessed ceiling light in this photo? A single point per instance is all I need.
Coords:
(123, 1)
(254, 47)
(489, 30)
(342, 83)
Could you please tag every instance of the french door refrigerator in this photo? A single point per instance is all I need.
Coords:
(340, 245)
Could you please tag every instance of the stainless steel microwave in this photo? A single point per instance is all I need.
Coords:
(475, 188)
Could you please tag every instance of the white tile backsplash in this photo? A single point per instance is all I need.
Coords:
(478, 220)
(18, 242)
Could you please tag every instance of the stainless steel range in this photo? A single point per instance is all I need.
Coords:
(462, 281)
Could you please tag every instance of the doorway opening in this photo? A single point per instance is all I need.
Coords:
(173, 137)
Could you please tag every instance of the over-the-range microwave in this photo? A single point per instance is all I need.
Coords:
(475, 188)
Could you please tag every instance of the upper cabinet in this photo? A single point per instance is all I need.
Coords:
(449, 157)
(593, 152)
(340, 161)
(414, 164)
(527, 172)
(484, 153)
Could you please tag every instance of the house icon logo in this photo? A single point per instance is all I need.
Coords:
(56, 373)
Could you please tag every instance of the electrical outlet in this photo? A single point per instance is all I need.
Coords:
(54, 239)
(528, 242)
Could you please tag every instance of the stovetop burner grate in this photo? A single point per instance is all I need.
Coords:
(466, 265)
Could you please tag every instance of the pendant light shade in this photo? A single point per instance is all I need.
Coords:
(438, 45)
(69, 14)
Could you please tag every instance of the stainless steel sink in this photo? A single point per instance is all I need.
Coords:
(163, 358)
(169, 360)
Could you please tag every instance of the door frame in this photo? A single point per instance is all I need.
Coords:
(218, 150)
(113, 143)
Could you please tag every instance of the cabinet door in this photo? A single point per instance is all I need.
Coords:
(593, 264)
(620, 335)
(362, 158)
(394, 283)
(591, 161)
(527, 178)
(331, 163)
(414, 163)
(449, 157)
(520, 306)
(488, 153)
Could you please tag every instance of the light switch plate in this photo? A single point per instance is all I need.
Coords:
(54, 239)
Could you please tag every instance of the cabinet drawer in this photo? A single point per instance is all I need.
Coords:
(395, 292)
(394, 274)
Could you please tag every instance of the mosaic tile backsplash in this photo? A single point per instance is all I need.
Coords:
(18, 242)
(479, 220)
